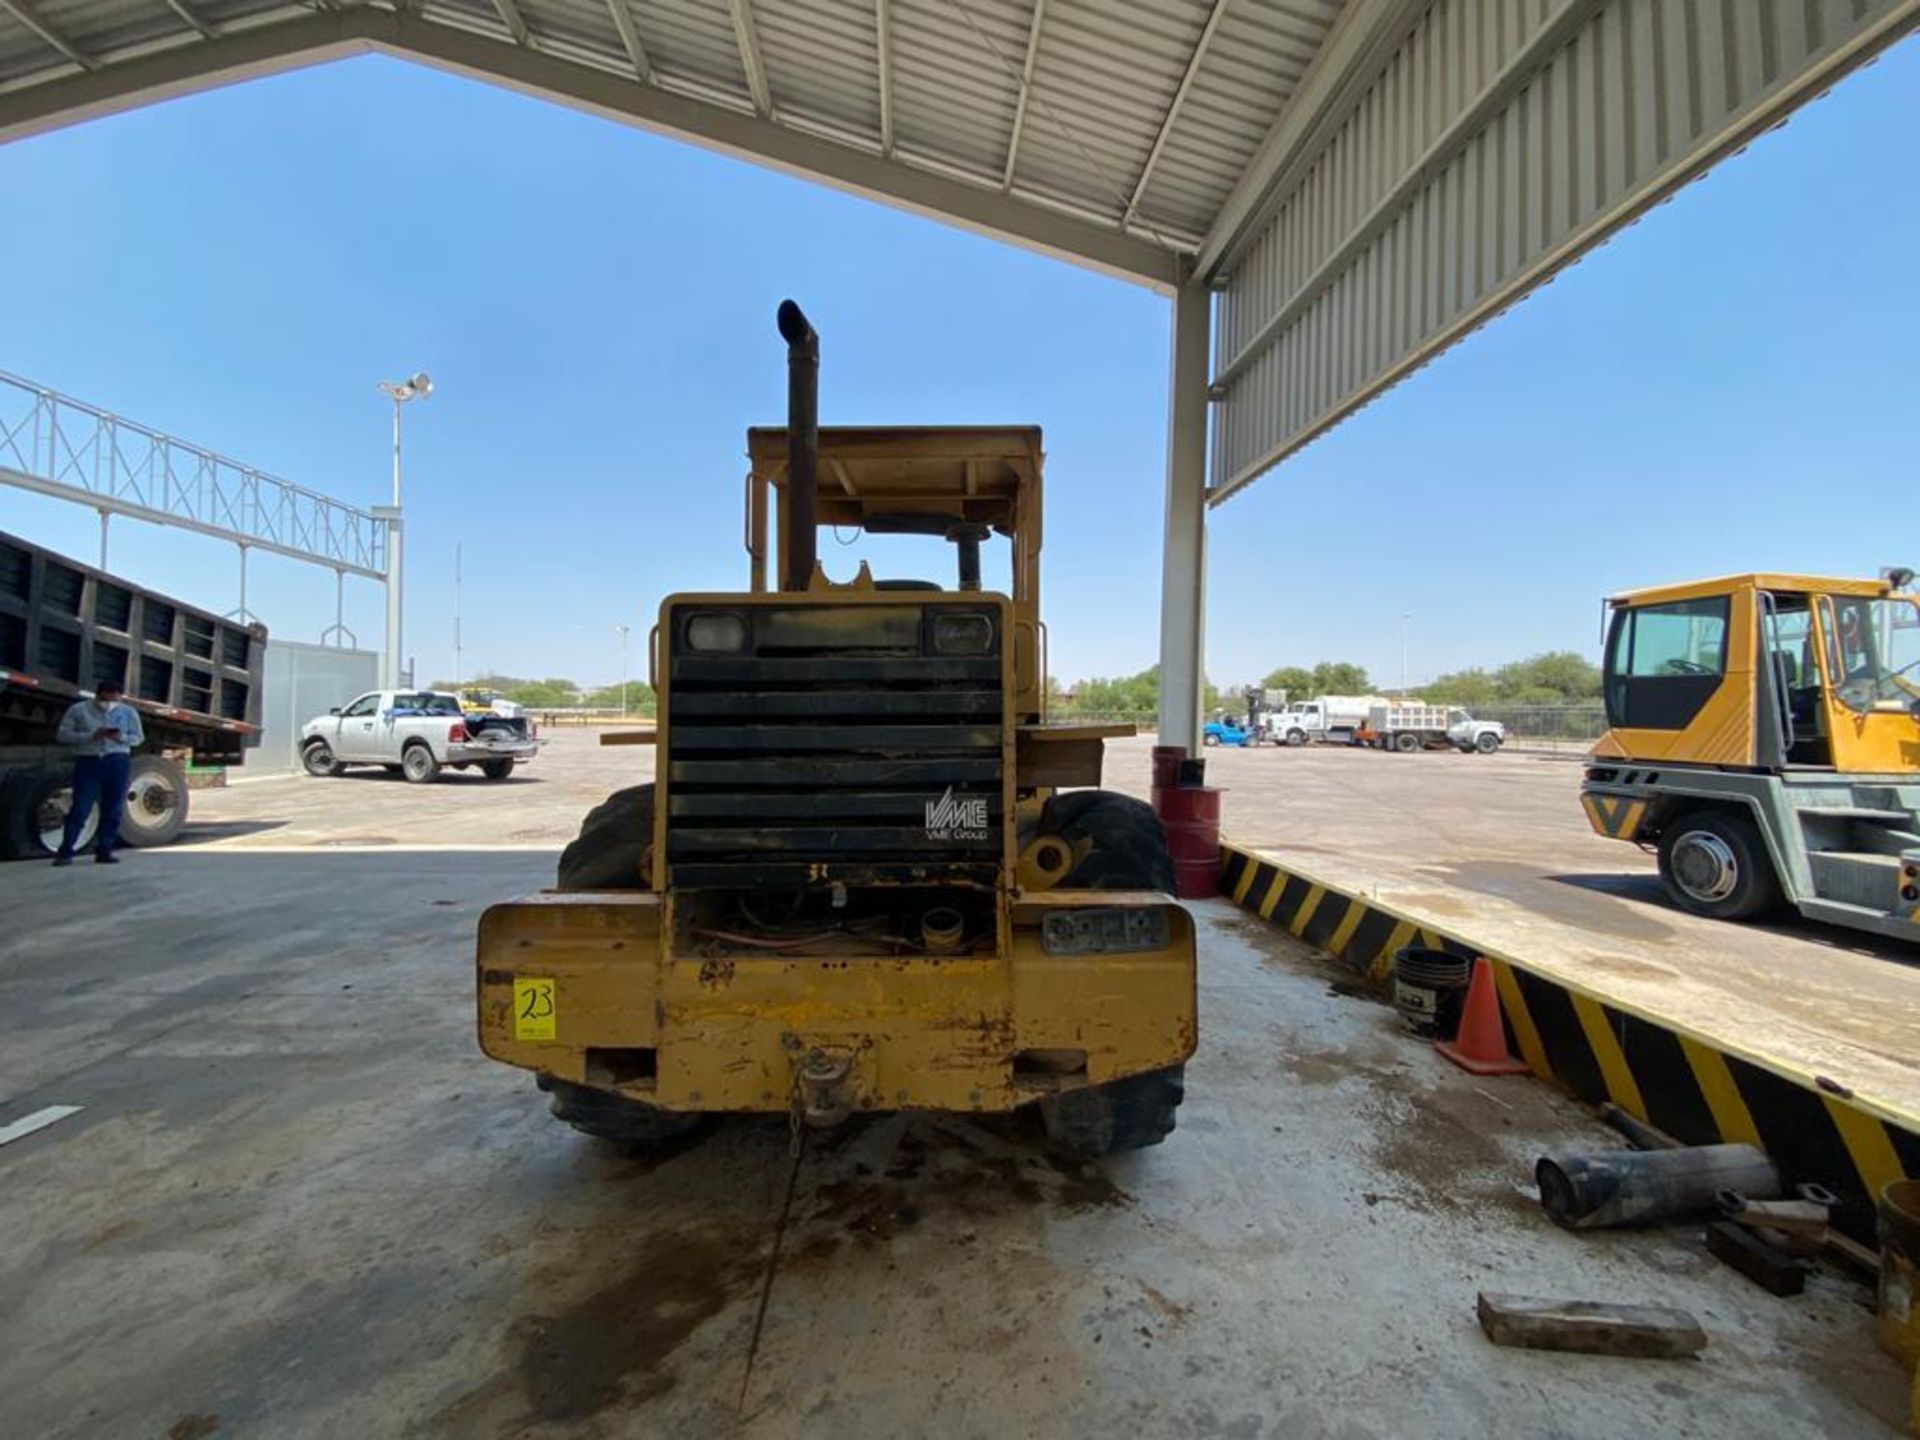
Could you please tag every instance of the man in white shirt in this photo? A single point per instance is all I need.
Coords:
(102, 733)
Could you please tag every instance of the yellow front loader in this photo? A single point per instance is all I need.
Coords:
(860, 880)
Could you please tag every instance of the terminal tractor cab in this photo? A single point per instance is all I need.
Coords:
(1764, 735)
(866, 876)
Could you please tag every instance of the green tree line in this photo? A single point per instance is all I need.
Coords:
(1555, 677)
(556, 693)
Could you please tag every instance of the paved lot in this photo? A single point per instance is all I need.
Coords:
(298, 1203)
(1497, 850)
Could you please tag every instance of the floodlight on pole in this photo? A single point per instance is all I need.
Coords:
(417, 387)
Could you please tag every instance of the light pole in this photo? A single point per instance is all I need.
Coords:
(1404, 619)
(623, 668)
(399, 391)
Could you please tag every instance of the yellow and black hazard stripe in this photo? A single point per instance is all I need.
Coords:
(1617, 817)
(1693, 1087)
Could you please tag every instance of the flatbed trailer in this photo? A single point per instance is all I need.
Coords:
(67, 627)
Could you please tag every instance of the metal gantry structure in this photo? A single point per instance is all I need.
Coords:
(1332, 191)
(55, 445)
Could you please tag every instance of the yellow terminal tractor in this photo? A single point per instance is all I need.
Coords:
(866, 876)
(1764, 733)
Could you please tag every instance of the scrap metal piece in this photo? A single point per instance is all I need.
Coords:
(1635, 1187)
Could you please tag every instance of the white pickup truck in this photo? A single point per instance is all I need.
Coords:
(416, 733)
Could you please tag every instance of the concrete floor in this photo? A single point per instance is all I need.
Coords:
(1496, 849)
(299, 1203)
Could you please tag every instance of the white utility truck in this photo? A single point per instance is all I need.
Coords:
(1326, 719)
(417, 734)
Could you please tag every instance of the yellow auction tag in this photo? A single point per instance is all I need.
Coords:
(534, 1008)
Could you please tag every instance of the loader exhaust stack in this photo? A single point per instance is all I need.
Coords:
(799, 505)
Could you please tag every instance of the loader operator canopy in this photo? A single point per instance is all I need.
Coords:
(959, 484)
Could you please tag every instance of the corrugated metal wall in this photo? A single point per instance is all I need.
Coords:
(300, 682)
(1505, 137)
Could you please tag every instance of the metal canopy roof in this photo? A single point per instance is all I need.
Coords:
(1110, 131)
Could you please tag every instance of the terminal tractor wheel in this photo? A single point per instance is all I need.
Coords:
(1713, 862)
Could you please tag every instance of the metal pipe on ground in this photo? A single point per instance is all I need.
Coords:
(1637, 1187)
(799, 505)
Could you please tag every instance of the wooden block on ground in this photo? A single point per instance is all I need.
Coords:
(1592, 1327)
(1766, 1265)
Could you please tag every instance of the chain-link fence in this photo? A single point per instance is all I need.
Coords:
(1574, 726)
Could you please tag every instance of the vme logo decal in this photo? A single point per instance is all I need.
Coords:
(957, 817)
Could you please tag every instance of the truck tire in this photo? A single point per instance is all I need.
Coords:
(1714, 863)
(317, 759)
(1209, 739)
(614, 1118)
(496, 769)
(1486, 742)
(156, 802)
(37, 804)
(612, 843)
(1118, 842)
(1296, 737)
(1128, 1114)
(1406, 742)
(418, 765)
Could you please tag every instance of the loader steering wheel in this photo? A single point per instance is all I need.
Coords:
(1686, 667)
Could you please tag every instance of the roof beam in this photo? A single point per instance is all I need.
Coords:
(46, 32)
(750, 60)
(207, 32)
(1358, 48)
(1026, 86)
(883, 46)
(279, 46)
(515, 22)
(623, 21)
(1173, 108)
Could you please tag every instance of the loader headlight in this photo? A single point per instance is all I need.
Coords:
(716, 631)
(964, 634)
(1106, 930)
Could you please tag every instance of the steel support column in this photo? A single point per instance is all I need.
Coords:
(390, 662)
(1183, 573)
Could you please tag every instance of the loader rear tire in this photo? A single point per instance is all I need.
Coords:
(612, 842)
(1128, 1114)
(614, 1118)
(1118, 841)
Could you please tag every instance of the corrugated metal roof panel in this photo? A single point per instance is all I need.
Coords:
(1100, 107)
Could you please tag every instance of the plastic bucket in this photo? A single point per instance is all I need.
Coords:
(1900, 1271)
(1429, 987)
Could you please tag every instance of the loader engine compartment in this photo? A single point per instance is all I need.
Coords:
(814, 745)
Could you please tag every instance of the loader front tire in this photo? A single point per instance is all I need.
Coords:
(612, 843)
(1128, 1114)
(1118, 842)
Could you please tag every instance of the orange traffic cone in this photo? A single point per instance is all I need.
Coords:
(1480, 1048)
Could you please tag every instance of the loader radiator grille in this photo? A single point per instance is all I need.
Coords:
(836, 743)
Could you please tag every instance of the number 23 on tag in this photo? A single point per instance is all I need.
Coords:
(535, 1008)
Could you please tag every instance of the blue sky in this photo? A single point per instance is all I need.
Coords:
(1728, 385)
